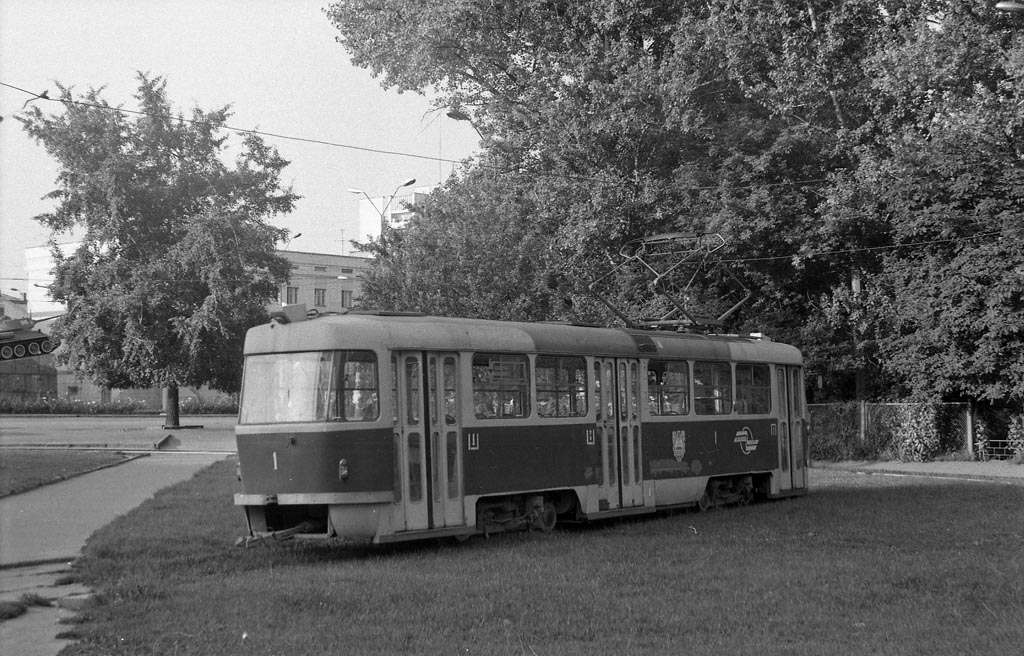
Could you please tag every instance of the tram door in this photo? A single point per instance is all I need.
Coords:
(791, 428)
(427, 432)
(618, 436)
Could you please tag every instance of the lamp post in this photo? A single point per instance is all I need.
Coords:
(1011, 6)
(383, 210)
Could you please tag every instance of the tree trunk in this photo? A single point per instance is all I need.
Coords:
(171, 414)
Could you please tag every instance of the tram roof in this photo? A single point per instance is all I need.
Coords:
(428, 333)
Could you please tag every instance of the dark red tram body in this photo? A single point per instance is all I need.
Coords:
(381, 428)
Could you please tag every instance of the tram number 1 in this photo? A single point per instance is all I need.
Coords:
(473, 441)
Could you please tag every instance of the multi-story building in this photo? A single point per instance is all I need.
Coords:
(322, 282)
(375, 213)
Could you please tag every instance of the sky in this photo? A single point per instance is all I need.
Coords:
(276, 62)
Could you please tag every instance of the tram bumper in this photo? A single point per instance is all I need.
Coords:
(359, 517)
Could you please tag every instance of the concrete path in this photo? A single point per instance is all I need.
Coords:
(35, 632)
(43, 530)
(51, 523)
(992, 470)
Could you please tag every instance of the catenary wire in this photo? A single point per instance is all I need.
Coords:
(380, 151)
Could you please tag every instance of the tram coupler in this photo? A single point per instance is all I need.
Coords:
(277, 536)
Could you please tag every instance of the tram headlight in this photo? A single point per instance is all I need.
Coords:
(343, 469)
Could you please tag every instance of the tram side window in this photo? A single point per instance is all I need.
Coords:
(501, 386)
(561, 386)
(358, 385)
(712, 388)
(668, 387)
(753, 389)
(310, 386)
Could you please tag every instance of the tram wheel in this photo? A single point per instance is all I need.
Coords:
(548, 518)
(705, 503)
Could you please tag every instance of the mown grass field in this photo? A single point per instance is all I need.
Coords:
(863, 565)
(25, 469)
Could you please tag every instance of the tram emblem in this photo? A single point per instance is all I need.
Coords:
(746, 441)
(679, 444)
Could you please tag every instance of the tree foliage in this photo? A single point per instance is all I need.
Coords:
(822, 140)
(175, 260)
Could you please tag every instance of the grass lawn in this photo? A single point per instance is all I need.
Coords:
(863, 565)
(25, 469)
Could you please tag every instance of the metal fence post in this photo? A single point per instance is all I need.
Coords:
(970, 429)
(862, 430)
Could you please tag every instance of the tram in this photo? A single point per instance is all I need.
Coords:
(376, 427)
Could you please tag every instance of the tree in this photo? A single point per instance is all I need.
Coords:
(935, 199)
(824, 141)
(621, 114)
(175, 259)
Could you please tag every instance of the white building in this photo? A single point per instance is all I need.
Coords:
(395, 211)
(322, 282)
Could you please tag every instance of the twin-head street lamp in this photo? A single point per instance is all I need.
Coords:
(383, 210)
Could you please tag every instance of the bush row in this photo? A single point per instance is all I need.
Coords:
(58, 406)
(916, 432)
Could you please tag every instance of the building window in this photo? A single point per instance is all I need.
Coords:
(319, 268)
(320, 297)
(346, 270)
(346, 298)
(292, 295)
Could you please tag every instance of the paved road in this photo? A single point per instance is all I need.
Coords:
(207, 432)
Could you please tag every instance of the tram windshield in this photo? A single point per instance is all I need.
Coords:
(310, 386)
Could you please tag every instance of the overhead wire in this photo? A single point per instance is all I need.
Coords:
(262, 133)
(380, 151)
(368, 149)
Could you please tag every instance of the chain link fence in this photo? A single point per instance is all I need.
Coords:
(914, 431)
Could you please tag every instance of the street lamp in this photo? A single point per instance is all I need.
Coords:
(1011, 6)
(383, 210)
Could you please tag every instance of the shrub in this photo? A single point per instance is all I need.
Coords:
(223, 405)
(907, 431)
(833, 431)
(227, 405)
(1015, 438)
(59, 406)
(916, 436)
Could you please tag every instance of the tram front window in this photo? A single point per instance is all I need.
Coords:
(310, 386)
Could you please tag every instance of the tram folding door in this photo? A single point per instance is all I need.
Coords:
(617, 391)
(427, 431)
(791, 428)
